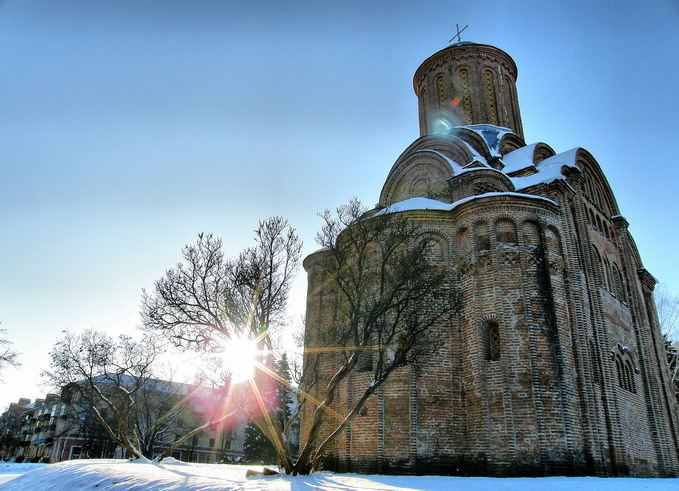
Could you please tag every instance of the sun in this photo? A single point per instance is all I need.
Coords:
(240, 358)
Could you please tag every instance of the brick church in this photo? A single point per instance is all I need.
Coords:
(555, 363)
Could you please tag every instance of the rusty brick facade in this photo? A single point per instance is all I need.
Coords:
(555, 364)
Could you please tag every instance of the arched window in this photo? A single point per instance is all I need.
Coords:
(631, 385)
(505, 231)
(530, 234)
(599, 201)
(599, 225)
(607, 275)
(620, 371)
(625, 371)
(463, 75)
(491, 99)
(492, 341)
(588, 185)
(617, 281)
(482, 237)
(463, 241)
(623, 289)
(441, 91)
(592, 220)
(434, 247)
(553, 240)
(594, 360)
(598, 266)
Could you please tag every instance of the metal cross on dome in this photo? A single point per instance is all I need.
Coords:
(457, 28)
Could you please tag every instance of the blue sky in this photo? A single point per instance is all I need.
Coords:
(128, 127)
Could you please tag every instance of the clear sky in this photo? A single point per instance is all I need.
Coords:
(127, 127)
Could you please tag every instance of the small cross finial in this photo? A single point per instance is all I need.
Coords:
(457, 35)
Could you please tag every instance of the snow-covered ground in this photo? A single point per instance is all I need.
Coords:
(123, 475)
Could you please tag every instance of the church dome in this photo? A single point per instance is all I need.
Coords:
(467, 83)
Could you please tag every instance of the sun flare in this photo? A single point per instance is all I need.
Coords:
(240, 358)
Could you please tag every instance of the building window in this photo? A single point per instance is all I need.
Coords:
(505, 231)
(462, 242)
(441, 91)
(482, 237)
(493, 341)
(625, 372)
(212, 443)
(607, 275)
(594, 360)
(631, 385)
(491, 103)
(365, 361)
(598, 266)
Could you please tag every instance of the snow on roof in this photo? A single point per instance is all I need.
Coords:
(477, 156)
(420, 203)
(491, 134)
(454, 165)
(519, 159)
(549, 170)
(474, 169)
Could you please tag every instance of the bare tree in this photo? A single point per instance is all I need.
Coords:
(263, 274)
(194, 301)
(208, 296)
(387, 295)
(106, 373)
(115, 379)
(668, 312)
(8, 355)
(158, 407)
(207, 300)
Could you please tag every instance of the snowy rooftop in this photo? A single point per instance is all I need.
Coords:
(547, 171)
(419, 203)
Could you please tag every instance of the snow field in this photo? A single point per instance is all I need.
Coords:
(174, 475)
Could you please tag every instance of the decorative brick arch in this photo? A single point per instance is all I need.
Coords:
(438, 247)
(597, 187)
(506, 232)
(530, 233)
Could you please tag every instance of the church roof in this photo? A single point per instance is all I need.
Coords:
(463, 43)
(421, 203)
(519, 159)
(482, 146)
(549, 170)
(492, 136)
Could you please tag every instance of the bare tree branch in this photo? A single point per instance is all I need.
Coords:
(8, 355)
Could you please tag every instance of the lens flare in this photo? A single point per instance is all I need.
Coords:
(240, 358)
